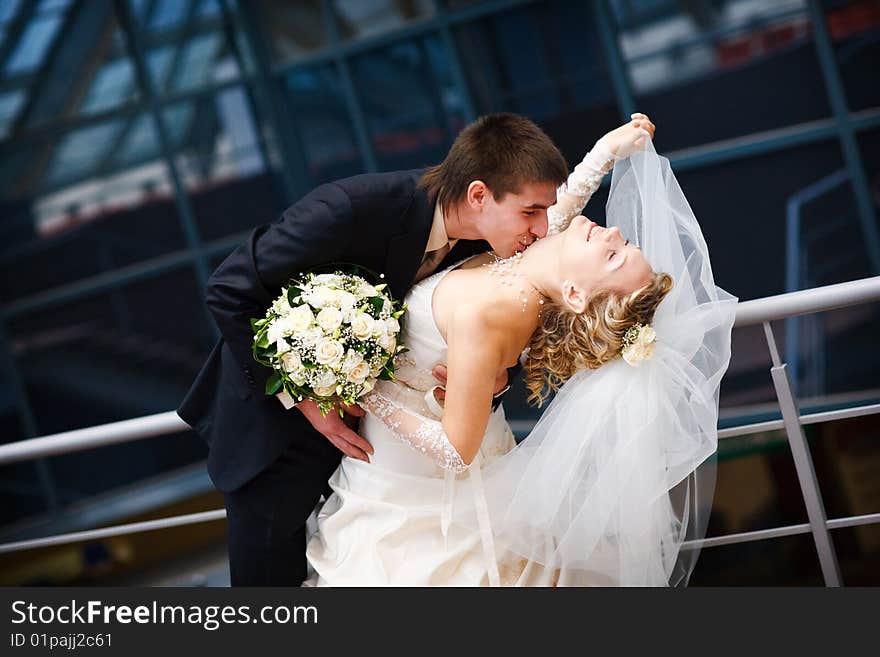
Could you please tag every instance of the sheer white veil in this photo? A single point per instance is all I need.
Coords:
(619, 471)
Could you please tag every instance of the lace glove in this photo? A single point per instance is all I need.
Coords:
(418, 431)
(572, 195)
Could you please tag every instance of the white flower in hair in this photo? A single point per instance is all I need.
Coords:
(638, 344)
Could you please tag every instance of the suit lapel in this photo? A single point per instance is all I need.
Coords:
(406, 249)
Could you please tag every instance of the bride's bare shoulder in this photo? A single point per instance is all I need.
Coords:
(497, 325)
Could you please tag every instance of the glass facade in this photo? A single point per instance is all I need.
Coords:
(140, 141)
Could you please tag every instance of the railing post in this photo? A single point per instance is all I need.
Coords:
(803, 464)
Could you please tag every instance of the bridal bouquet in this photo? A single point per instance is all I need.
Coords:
(329, 337)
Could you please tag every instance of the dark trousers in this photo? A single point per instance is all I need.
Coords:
(266, 517)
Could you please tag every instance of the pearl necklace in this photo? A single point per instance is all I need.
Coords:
(505, 270)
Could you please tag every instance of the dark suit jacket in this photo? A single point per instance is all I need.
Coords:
(380, 221)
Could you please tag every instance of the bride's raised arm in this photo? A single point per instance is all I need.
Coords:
(475, 356)
(582, 183)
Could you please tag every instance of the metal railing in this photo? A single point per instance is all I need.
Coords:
(759, 311)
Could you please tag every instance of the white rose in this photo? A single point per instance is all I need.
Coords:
(345, 299)
(325, 384)
(321, 297)
(392, 325)
(329, 352)
(281, 305)
(352, 360)
(359, 373)
(367, 290)
(329, 319)
(369, 384)
(311, 336)
(647, 335)
(362, 326)
(281, 345)
(300, 318)
(276, 330)
(642, 348)
(325, 378)
(388, 342)
(291, 362)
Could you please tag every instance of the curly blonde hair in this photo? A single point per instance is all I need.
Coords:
(566, 341)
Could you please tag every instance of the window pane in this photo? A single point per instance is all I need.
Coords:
(324, 126)
(412, 107)
(33, 45)
(714, 71)
(224, 163)
(543, 60)
(293, 29)
(854, 27)
(10, 104)
(187, 46)
(96, 215)
(360, 18)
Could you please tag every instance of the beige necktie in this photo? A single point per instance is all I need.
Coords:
(430, 262)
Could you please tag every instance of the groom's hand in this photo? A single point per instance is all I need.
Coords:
(334, 429)
(440, 373)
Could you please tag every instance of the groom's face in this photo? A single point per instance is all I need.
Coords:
(515, 221)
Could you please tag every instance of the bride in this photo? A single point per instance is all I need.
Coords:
(625, 324)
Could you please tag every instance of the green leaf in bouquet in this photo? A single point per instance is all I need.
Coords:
(273, 383)
(376, 303)
(398, 314)
(293, 293)
(263, 341)
(257, 323)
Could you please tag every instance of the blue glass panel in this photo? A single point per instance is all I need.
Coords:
(79, 151)
(324, 124)
(411, 105)
(33, 45)
(197, 62)
(223, 164)
(141, 142)
(112, 86)
(9, 105)
(158, 63)
(358, 19)
(543, 60)
(292, 29)
(209, 8)
(178, 120)
(47, 6)
(8, 9)
(138, 7)
(168, 13)
(751, 66)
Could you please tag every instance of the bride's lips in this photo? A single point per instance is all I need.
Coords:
(593, 224)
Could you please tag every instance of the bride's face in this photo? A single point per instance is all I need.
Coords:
(594, 258)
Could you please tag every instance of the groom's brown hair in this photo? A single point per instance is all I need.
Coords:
(503, 150)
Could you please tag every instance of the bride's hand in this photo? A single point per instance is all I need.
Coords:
(440, 373)
(628, 138)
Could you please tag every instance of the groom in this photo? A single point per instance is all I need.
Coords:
(273, 462)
